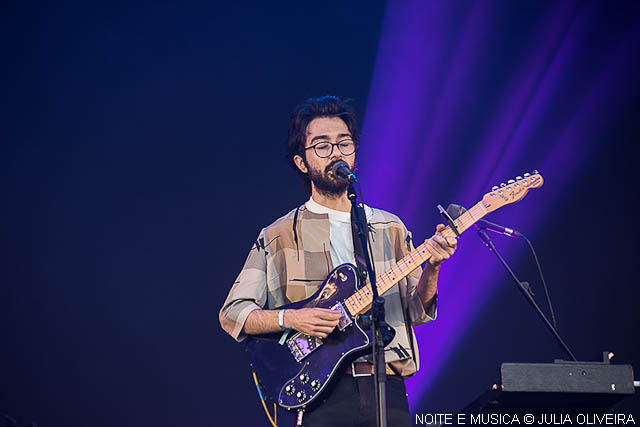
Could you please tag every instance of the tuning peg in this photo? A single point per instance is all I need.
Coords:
(535, 171)
(494, 188)
(511, 181)
(518, 178)
(502, 184)
(527, 175)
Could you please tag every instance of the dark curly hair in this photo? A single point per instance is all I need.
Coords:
(303, 114)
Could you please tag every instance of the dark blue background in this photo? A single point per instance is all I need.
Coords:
(143, 151)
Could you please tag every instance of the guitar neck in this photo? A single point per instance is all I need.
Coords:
(360, 301)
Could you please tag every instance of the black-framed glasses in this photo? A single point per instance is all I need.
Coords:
(324, 149)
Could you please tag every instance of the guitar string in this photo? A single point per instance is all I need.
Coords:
(401, 269)
(388, 278)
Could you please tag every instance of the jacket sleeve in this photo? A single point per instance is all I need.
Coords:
(248, 293)
(415, 310)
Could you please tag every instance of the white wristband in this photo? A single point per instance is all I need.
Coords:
(281, 319)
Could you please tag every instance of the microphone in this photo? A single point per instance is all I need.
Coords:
(341, 169)
(483, 224)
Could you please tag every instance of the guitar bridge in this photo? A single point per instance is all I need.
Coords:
(301, 345)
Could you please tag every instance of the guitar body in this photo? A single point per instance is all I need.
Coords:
(296, 372)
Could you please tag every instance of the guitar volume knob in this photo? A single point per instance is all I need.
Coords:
(304, 378)
(289, 390)
(315, 385)
(301, 395)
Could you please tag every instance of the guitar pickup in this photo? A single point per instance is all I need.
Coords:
(345, 320)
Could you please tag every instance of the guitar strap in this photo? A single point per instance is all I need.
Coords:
(358, 251)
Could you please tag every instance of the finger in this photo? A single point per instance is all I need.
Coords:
(322, 333)
(440, 236)
(325, 320)
(327, 314)
(325, 331)
(326, 310)
(437, 247)
(440, 228)
(325, 323)
(438, 254)
(434, 259)
(446, 241)
(445, 244)
(440, 240)
(317, 330)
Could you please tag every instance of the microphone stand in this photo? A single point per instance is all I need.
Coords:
(380, 327)
(526, 292)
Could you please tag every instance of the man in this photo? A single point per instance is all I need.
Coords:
(292, 257)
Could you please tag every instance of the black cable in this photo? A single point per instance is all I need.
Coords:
(544, 283)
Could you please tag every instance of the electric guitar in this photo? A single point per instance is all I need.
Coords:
(294, 369)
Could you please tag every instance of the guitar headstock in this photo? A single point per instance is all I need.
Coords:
(514, 190)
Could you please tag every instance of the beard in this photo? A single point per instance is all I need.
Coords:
(328, 185)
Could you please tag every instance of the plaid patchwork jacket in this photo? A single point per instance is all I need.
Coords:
(291, 259)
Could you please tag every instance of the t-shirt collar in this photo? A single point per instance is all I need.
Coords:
(317, 208)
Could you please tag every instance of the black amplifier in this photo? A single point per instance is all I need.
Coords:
(567, 377)
(568, 387)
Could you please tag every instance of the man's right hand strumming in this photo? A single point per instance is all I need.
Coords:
(317, 322)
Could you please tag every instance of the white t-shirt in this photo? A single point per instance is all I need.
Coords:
(339, 231)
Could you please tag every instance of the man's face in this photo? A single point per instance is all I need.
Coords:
(322, 130)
